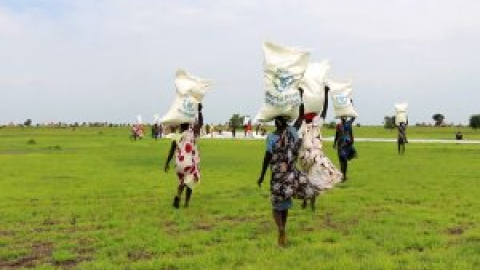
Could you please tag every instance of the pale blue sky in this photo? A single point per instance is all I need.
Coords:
(110, 60)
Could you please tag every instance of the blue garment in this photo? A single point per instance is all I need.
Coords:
(347, 131)
(283, 205)
(272, 138)
(345, 140)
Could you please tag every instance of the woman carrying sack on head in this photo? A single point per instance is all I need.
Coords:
(287, 181)
(402, 137)
(320, 170)
(187, 158)
(344, 143)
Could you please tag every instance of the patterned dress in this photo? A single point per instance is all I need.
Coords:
(187, 159)
(345, 140)
(319, 168)
(402, 133)
(287, 181)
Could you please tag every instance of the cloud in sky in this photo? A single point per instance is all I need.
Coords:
(109, 60)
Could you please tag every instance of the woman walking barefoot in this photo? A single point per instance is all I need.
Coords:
(286, 181)
(187, 157)
(320, 170)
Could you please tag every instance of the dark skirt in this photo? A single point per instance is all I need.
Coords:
(282, 205)
(347, 152)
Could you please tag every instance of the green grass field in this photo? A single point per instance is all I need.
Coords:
(92, 199)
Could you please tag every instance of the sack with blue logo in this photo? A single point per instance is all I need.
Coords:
(183, 110)
(283, 69)
(341, 94)
(190, 91)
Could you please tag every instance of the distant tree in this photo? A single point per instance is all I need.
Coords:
(475, 121)
(236, 120)
(389, 122)
(438, 118)
(28, 122)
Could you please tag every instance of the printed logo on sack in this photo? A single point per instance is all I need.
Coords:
(188, 105)
(340, 100)
(282, 80)
(188, 108)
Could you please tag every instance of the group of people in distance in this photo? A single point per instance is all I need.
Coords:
(157, 131)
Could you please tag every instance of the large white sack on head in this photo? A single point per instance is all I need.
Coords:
(401, 113)
(183, 110)
(341, 93)
(401, 107)
(400, 117)
(283, 69)
(188, 84)
(139, 119)
(313, 84)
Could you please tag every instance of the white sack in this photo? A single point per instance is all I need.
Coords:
(401, 113)
(313, 84)
(283, 69)
(401, 107)
(190, 91)
(341, 93)
(246, 119)
(400, 118)
(188, 84)
(139, 119)
(183, 110)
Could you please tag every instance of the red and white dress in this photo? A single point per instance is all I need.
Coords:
(319, 168)
(187, 159)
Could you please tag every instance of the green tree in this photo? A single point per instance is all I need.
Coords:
(28, 122)
(236, 120)
(438, 118)
(389, 122)
(475, 121)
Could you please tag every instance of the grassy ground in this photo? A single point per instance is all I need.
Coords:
(91, 199)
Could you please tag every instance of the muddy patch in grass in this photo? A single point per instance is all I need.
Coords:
(40, 253)
(171, 227)
(455, 230)
(139, 255)
(7, 233)
(204, 227)
(340, 226)
(239, 219)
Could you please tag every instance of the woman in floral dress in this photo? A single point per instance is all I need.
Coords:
(187, 158)
(313, 161)
(287, 181)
